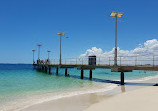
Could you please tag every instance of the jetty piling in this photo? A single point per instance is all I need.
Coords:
(46, 69)
(57, 69)
(42, 67)
(90, 74)
(81, 73)
(66, 72)
(49, 70)
(122, 78)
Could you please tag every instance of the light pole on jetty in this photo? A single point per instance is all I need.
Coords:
(61, 34)
(48, 54)
(116, 15)
(33, 56)
(39, 45)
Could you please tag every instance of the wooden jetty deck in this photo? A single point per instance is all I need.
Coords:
(125, 65)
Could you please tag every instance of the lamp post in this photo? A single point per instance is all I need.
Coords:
(48, 54)
(61, 34)
(116, 15)
(33, 56)
(39, 45)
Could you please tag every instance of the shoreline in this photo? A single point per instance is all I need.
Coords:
(83, 99)
(76, 94)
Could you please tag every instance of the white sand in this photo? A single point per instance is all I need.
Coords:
(144, 99)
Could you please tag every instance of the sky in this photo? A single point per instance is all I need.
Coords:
(87, 23)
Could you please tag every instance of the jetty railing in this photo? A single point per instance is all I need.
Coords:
(147, 60)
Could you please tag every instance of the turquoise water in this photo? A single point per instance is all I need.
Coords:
(18, 82)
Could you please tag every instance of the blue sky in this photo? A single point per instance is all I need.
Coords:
(25, 23)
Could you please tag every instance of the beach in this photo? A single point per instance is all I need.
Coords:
(140, 97)
(138, 100)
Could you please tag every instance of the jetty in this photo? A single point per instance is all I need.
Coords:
(124, 64)
(115, 63)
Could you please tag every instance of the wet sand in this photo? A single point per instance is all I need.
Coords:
(75, 103)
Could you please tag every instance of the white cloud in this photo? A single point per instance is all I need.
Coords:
(150, 47)
(93, 51)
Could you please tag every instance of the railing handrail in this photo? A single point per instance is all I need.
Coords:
(109, 60)
(109, 56)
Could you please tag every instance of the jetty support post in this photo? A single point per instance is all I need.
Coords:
(45, 68)
(49, 70)
(57, 71)
(122, 78)
(66, 72)
(42, 68)
(90, 74)
(81, 73)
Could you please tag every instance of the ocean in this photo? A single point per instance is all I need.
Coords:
(22, 86)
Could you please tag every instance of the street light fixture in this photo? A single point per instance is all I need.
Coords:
(39, 45)
(48, 54)
(116, 15)
(33, 56)
(61, 34)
